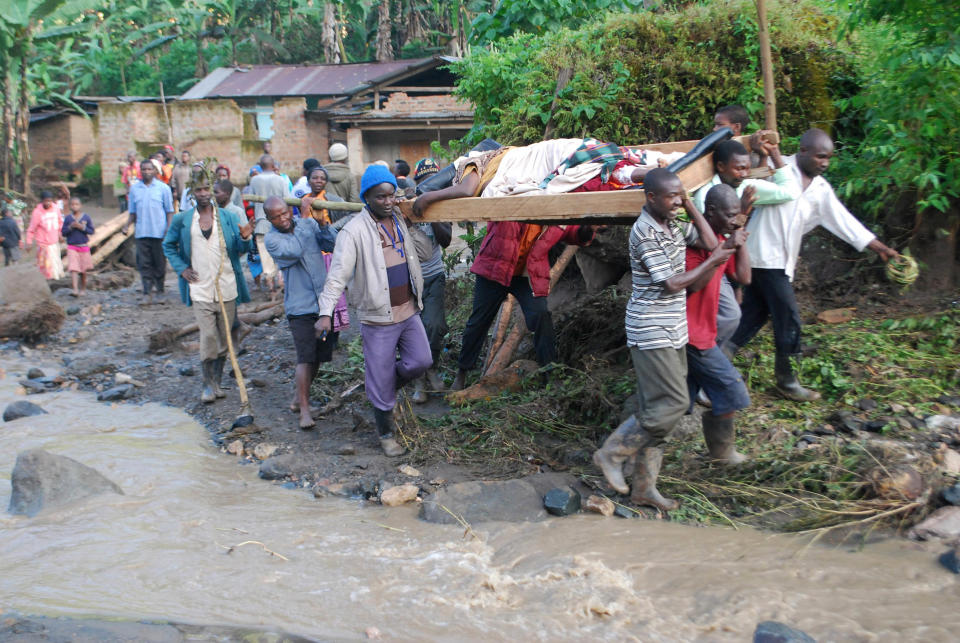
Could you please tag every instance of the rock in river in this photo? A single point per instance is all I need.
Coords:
(21, 409)
(774, 632)
(43, 480)
(949, 560)
(942, 523)
(121, 392)
(562, 501)
(473, 502)
(35, 373)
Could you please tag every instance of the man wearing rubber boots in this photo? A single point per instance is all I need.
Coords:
(377, 257)
(656, 324)
(203, 246)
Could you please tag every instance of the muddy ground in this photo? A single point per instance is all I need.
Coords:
(105, 340)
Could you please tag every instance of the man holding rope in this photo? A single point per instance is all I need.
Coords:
(194, 245)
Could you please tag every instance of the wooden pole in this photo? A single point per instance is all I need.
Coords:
(317, 204)
(766, 62)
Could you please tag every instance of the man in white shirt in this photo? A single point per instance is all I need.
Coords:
(266, 184)
(776, 232)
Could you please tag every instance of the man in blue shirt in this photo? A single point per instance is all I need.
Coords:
(296, 247)
(151, 209)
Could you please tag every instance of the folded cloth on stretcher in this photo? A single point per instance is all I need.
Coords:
(558, 166)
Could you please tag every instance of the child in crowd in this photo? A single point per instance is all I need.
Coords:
(9, 235)
(77, 228)
(46, 222)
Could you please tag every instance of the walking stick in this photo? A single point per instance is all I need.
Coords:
(246, 412)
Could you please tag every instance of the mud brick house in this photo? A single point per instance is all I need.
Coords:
(62, 141)
(385, 111)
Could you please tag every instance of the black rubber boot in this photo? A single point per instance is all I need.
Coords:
(207, 368)
(718, 434)
(624, 442)
(645, 481)
(218, 376)
(787, 383)
(386, 429)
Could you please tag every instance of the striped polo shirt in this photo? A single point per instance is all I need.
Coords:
(656, 319)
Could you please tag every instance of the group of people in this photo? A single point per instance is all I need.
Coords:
(685, 318)
(49, 225)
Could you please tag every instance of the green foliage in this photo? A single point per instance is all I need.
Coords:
(540, 16)
(650, 77)
(910, 57)
(90, 179)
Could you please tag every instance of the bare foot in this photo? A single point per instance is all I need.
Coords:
(306, 421)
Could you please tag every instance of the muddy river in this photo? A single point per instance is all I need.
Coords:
(168, 551)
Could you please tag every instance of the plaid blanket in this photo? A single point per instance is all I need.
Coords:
(608, 154)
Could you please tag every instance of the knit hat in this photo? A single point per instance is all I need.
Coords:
(338, 152)
(373, 176)
(425, 167)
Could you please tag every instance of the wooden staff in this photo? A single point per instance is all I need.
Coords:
(766, 63)
(317, 204)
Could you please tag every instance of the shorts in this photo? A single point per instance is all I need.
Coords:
(711, 371)
(310, 349)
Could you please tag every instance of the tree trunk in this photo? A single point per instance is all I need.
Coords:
(384, 44)
(23, 126)
(331, 53)
(200, 71)
(6, 134)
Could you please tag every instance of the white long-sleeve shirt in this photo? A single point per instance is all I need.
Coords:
(776, 231)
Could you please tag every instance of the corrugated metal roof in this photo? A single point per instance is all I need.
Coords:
(301, 80)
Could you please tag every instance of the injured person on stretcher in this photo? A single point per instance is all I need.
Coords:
(549, 167)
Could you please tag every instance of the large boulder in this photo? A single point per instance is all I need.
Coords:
(43, 480)
(475, 502)
(21, 409)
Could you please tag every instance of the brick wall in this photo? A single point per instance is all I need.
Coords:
(290, 138)
(208, 128)
(64, 144)
(401, 102)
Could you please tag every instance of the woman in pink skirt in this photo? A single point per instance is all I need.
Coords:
(77, 228)
(46, 222)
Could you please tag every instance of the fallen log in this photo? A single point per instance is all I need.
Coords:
(508, 379)
(168, 335)
(107, 248)
(510, 344)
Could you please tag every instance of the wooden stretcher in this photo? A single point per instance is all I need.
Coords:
(614, 207)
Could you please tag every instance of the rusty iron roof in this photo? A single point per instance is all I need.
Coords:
(304, 80)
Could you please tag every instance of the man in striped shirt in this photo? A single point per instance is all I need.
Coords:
(656, 322)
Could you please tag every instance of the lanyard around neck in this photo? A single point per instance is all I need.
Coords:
(398, 239)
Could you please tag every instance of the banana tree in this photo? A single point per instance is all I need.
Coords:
(21, 24)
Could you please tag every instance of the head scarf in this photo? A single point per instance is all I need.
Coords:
(425, 167)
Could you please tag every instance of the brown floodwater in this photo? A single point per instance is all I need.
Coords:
(160, 552)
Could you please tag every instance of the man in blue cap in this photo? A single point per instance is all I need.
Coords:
(377, 257)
